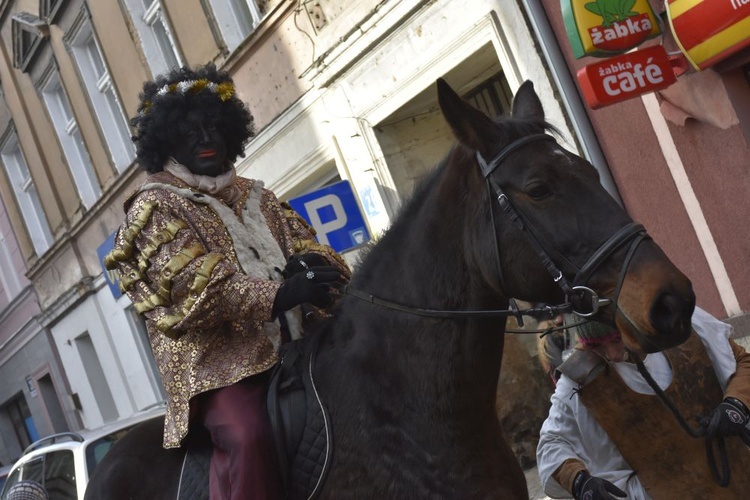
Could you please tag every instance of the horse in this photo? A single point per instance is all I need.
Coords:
(409, 365)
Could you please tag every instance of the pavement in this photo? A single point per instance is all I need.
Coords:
(536, 492)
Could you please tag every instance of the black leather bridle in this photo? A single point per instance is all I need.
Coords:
(580, 299)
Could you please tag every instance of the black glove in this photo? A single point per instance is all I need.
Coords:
(729, 418)
(588, 487)
(312, 286)
(298, 263)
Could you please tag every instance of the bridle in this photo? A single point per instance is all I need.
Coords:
(579, 298)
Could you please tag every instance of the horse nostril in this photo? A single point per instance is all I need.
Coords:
(670, 314)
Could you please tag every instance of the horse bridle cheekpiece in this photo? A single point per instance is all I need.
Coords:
(583, 301)
(580, 299)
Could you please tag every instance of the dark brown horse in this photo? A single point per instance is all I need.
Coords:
(411, 394)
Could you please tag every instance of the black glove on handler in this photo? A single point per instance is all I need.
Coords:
(729, 418)
(588, 487)
(312, 286)
(299, 263)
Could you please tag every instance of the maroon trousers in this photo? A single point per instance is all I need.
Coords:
(243, 463)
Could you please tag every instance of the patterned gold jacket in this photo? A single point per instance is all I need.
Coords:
(204, 275)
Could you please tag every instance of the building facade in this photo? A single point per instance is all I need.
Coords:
(339, 90)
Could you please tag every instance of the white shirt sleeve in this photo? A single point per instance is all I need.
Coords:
(570, 431)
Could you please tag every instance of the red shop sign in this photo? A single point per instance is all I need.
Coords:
(626, 76)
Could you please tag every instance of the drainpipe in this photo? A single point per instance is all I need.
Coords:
(569, 92)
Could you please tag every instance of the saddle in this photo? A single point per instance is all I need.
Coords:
(301, 430)
(299, 420)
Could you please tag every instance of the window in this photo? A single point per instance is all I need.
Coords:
(28, 32)
(493, 96)
(17, 410)
(48, 9)
(156, 37)
(103, 98)
(71, 141)
(26, 195)
(60, 474)
(236, 19)
(9, 275)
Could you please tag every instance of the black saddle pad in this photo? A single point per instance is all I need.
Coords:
(195, 465)
(301, 426)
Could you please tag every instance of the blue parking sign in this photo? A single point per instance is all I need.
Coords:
(334, 214)
(112, 277)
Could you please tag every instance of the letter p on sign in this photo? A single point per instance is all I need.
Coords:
(334, 213)
(314, 208)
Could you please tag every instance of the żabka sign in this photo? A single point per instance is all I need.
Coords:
(605, 27)
(626, 76)
(621, 36)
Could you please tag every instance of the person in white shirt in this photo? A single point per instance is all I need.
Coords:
(603, 410)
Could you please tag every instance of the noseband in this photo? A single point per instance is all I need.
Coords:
(584, 301)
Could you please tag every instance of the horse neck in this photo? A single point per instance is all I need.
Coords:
(424, 261)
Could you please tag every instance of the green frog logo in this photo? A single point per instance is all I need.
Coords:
(612, 10)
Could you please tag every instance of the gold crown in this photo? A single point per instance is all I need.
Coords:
(224, 90)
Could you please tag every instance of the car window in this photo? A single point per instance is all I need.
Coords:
(96, 450)
(60, 475)
(13, 478)
(33, 470)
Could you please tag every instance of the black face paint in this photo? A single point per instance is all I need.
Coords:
(199, 145)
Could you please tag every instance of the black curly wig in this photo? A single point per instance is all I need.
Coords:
(154, 125)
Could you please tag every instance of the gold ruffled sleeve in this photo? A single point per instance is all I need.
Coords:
(303, 241)
(173, 279)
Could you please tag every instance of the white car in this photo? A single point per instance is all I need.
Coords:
(63, 463)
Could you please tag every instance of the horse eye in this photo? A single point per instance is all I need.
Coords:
(538, 191)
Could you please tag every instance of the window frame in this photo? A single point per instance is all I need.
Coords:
(88, 56)
(24, 189)
(71, 139)
(231, 25)
(143, 19)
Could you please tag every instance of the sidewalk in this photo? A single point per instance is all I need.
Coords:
(534, 486)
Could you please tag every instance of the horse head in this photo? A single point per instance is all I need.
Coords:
(547, 206)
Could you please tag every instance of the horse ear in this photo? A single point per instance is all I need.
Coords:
(526, 103)
(469, 125)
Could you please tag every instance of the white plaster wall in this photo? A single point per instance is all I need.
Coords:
(118, 354)
(135, 371)
(363, 85)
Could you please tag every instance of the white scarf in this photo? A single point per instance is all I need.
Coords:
(221, 186)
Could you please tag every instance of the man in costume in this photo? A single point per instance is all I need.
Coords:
(218, 267)
(609, 435)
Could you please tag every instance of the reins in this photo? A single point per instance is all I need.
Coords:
(722, 477)
(545, 311)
